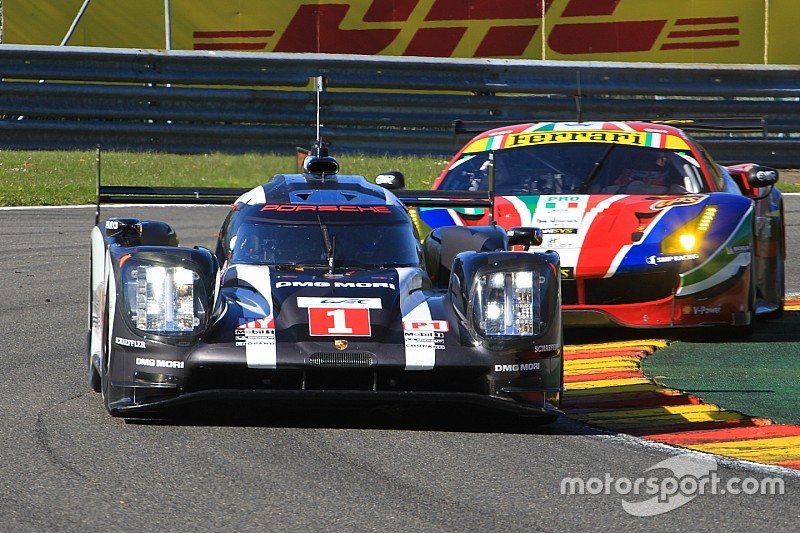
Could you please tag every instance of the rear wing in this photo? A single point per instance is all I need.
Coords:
(717, 124)
(710, 124)
(113, 194)
(449, 199)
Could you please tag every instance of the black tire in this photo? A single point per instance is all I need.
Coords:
(779, 275)
(93, 374)
(110, 392)
(742, 332)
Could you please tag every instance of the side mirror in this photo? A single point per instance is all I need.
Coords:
(759, 176)
(392, 180)
(526, 237)
(754, 181)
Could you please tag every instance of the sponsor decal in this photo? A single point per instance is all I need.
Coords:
(130, 343)
(738, 249)
(337, 284)
(560, 231)
(112, 224)
(768, 176)
(256, 333)
(424, 339)
(291, 208)
(553, 243)
(562, 203)
(632, 138)
(253, 332)
(658, 259)
(567, 272)
(702, 310)
(159, 363)
(518, 367)
(546, 347)
(426, 325)
(671, 202)
(333, 302)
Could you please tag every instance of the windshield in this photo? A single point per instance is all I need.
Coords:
(579, 168)
(304, 244)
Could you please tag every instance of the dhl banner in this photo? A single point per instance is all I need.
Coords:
(683, 31)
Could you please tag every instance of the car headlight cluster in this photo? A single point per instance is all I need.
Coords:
(507, 303)
(688, 237)
(164, 299)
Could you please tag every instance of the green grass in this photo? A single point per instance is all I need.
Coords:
(69, 177)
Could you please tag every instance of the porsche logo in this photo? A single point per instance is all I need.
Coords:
(340, 344)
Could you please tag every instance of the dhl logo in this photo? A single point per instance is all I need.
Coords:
(482, 28)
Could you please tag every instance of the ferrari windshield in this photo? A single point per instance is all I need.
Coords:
(312, 243)
(579, 168)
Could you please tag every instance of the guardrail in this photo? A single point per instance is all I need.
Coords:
(200, 101)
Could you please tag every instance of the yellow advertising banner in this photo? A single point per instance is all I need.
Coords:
(683, 31)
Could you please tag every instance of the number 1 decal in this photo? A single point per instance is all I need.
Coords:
(339, 321)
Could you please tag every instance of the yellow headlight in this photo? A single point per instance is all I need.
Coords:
(688, 241)
(687, 238)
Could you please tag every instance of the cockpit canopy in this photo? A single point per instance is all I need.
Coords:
(579, 168)
(374, 236)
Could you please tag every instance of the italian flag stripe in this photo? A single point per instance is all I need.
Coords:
(655, 140)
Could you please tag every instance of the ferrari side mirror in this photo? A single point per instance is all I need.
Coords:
(760, 176)
(392, 180)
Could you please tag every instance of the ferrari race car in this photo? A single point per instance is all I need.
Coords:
(651, 232)
(320, 289)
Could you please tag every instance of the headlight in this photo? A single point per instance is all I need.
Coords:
(507, 303)
(164, 299)
(688, 237)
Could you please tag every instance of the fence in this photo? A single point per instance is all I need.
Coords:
(199, 101)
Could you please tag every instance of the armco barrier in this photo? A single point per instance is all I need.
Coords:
(198, 101)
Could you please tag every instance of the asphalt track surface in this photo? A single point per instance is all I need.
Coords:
(68, 466)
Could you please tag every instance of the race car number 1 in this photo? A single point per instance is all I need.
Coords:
(339, 321)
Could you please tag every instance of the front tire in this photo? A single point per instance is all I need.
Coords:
(93, 374)
(744, 331)
(111, 394)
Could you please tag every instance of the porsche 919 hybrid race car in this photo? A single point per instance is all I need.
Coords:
(651, 232)
(319, 288)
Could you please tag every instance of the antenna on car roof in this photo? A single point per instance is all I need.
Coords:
(319, 86)
(319, 161)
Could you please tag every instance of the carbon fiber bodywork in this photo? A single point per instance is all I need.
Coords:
(363, 323)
